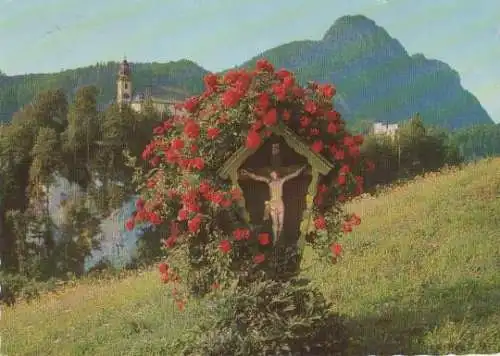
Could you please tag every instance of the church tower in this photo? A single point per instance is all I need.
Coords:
(124, 84)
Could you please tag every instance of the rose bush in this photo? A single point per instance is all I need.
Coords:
(182, 188)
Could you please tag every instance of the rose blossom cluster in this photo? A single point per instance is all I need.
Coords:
(238, 109)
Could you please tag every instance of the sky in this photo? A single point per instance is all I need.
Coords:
(52, 35)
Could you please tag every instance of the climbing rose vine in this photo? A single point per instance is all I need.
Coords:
(183, 192)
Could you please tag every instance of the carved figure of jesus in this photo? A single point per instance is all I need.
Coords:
(274, 207)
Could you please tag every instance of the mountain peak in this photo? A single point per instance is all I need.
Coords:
(360, 34)
(352, 24)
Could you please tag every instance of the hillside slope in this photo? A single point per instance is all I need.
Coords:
(420, 275)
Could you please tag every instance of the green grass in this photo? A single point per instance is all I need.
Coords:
(421, 274)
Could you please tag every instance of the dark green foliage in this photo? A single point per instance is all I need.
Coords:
(267, 318)
(477, 141)
(47, 139)
(149, 246)
(18, 287)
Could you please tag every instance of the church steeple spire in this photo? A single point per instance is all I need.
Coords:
(124, 83)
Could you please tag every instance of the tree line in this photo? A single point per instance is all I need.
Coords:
(54, 138)
(414, 150)
(50, 139)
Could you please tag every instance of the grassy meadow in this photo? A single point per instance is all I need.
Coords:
(421, 274)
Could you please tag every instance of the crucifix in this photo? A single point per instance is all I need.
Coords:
(274, 207)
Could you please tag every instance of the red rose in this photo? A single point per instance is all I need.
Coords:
(339, 155)
(147, 152)
(167, 125)
(279, 91)
(332, 115)
(177, 144)
(355, 220)
(310, 107)
(264, 238)
(349, 140)
(194, 224)
(332, 128)
(345, 169)
(225, 246)
(258, 259)
(317, 146)
(191, 104)
(216, 197)
(210, 80)
(170, 242)
(231, 77)
(197, 163)
(163, 267)
(241, 234)
(130, 224)
(253, 140)
(192, 129)
(180, 304)
(328, 91)
(354, 151)
(283, 74)
(159, 130)
(182, 215)
(358, 139)
(151, 183)
(264, 65)
(171, 156)
(341, 180)
(336, 249)
(154, 218)
(165, 277)
(320, 223)
(270, 118)
(230, 98)
(263, 101)
(288, 82)
(346, 228)
(155, 161)
(204, 187)
(286, 115)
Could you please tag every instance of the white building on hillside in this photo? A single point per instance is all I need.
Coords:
(380, 128)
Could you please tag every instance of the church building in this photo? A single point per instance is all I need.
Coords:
(137, 101)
